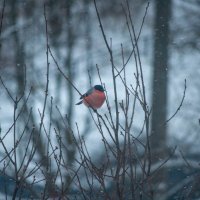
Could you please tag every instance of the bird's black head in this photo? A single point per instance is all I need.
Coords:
(99, 87)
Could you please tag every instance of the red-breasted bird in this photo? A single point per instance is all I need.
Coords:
(94, 97)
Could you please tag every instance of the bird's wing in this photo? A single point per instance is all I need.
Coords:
(87, 93)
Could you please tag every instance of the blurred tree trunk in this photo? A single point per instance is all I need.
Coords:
(160, 82)
(55, 33)
(70, 44)
(19, 58)
(70, 33)
(160, 75)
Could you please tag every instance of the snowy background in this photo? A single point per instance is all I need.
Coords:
(77, 44)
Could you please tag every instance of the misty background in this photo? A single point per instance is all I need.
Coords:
(169, 46)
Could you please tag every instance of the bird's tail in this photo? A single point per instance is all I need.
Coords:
(80, 102)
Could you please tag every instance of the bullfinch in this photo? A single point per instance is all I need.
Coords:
(94, 97)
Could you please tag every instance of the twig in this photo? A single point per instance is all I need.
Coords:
(7, 90)
(47, 75)
(63, 74)
(179, 107)
(143, 20)
(185, 160)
